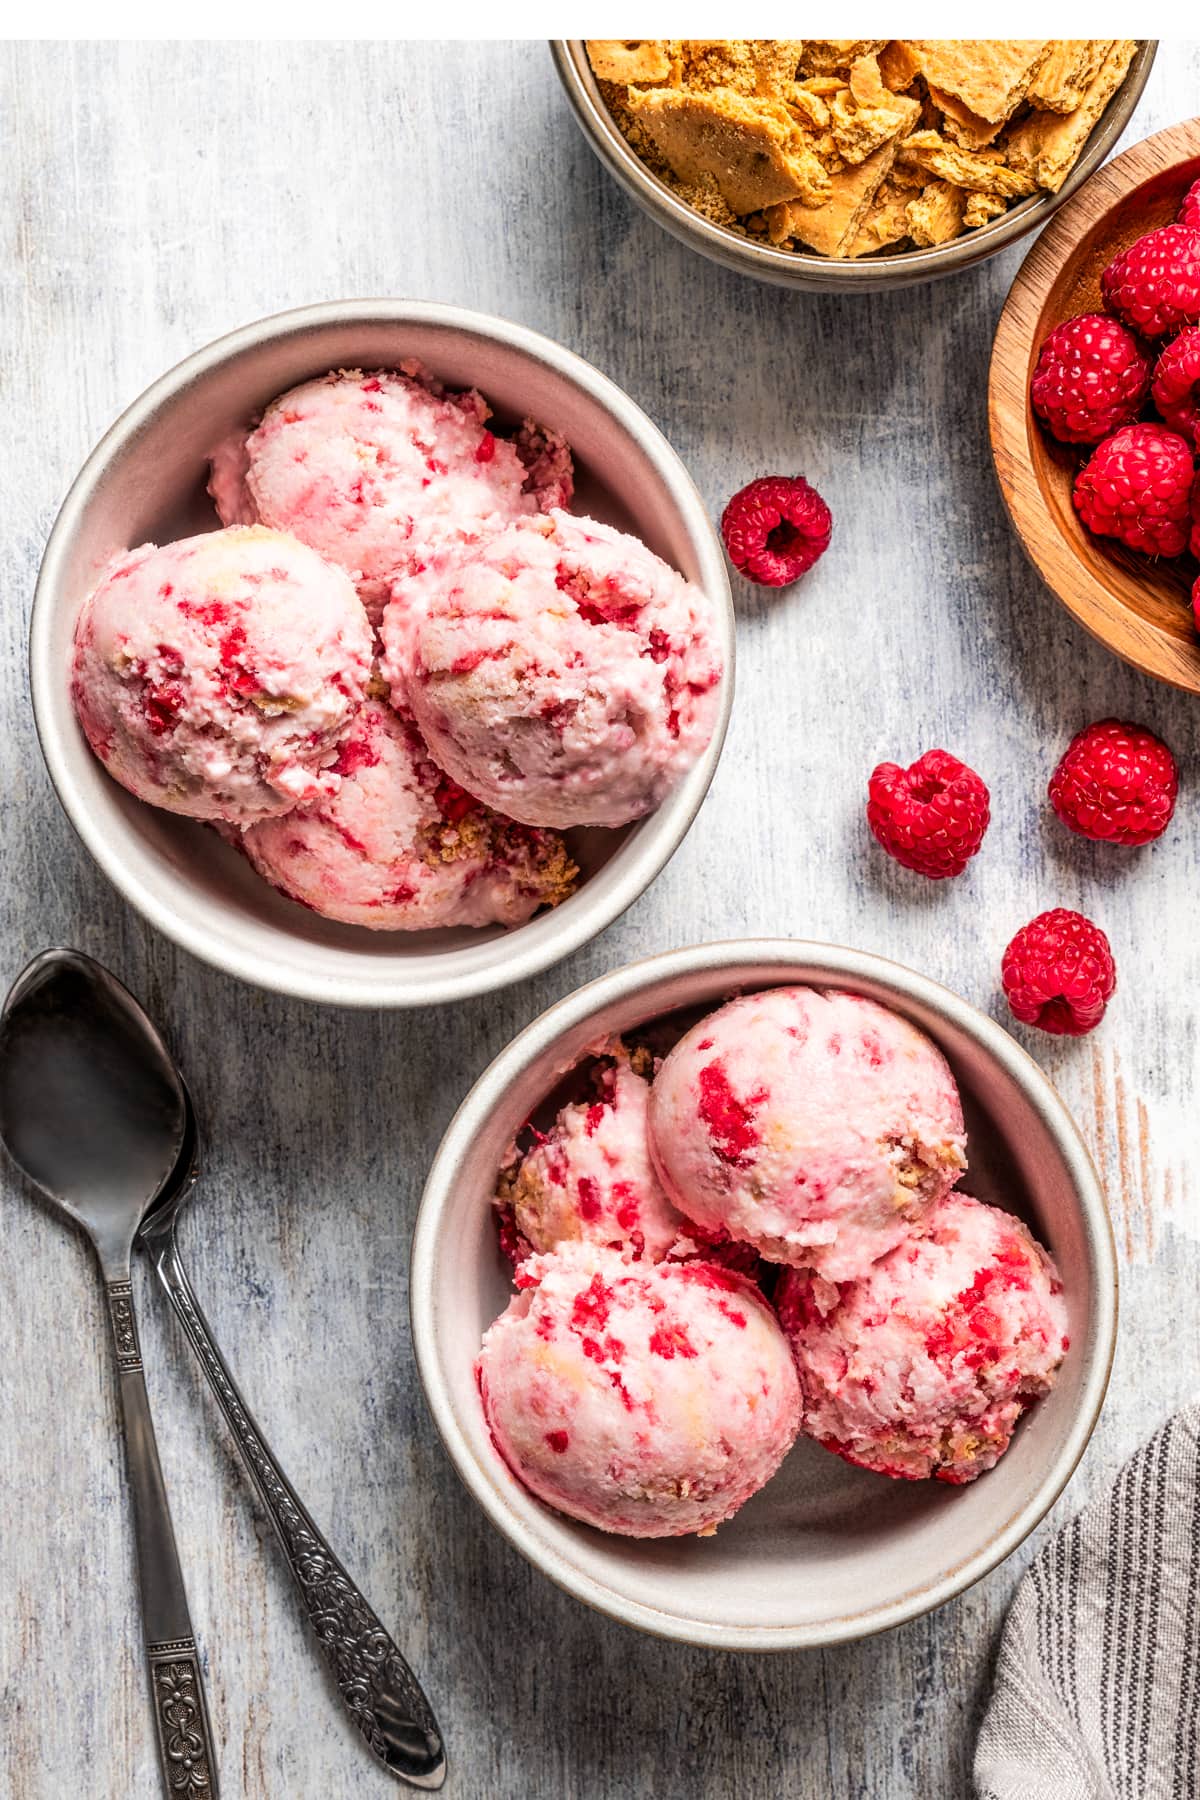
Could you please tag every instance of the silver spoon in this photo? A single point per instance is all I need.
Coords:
(99, 1129)
(379, 1689)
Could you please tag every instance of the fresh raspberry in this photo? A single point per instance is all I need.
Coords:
(1059, 974)
(1091, 377)
(775, 529)
(1137, 487)
(931, 816)
(1177, 385)
(1116, 783)
(1194, 546)
(1154, 286)
(1189, 212)
(1196, 600)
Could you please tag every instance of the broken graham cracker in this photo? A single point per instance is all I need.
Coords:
(991, 76)
(1068, 73)
(981, 208)
(866, 114)
(982, 171)
(753, 149)
(635, 62)
(834, 56)
(1044, 147)
(765, 67)
(963, 126)
(885, 222)
(936, 215)
(827, 229)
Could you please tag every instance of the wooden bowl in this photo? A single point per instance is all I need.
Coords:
(1138, 607)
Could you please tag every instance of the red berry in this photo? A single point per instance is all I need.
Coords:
(1195, 543)
(1091, 377)
(1059, 974)
(1177, 385)
(931, 816)
(1154, 286)
(1189, 212)
(1196, 602)
(775, 529)
(1137, 487)
(1116, 783)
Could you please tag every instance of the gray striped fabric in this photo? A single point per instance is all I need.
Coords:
(1097, 1689)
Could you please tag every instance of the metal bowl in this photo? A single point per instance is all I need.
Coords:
(799, 269)
(146, 480)
(825, 1553)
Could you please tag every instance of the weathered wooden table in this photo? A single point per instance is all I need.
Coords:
(155, 196)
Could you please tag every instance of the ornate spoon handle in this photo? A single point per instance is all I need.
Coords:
(380, 1690)
(181, 1723)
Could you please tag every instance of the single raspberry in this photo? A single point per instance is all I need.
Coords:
(1189, 212)
(931, 816)
(1059, 974)
(1091, 377)
(1177, 385)
(775, 529)
(1154, 286)
(1116, 783)
(1137, 487)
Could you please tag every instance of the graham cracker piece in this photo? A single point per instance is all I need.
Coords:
(866, 114)
(809, 109)
(886, 221)
(1068, 73)
(823, 85)
(963, 126)
(991, 76)
(980, 208)
(898, 65)
(982, 171)
(833, 56)
(827, 229)
(640, 62)
(762, 66)
(936, 215)
(753, 149)
(1044, 147)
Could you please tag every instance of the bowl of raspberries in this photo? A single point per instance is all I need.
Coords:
(1094, 405)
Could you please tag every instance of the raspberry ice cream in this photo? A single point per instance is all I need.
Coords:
(560, 671)
(924, 1365)
(590, 1178)
(814, 1126)
(647, 1399)
(372, 469)
(401, 848)
(216, 676)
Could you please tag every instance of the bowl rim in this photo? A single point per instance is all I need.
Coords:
(653, 841)
(804, 269)
(735, 956)
(1011, 427)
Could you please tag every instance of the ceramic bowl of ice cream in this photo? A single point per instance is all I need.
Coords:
(824, 1552)
(146, 482)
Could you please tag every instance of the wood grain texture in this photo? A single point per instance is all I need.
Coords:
(158, 195)
(1137, 607)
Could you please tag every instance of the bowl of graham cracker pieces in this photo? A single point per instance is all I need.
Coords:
(852, 164)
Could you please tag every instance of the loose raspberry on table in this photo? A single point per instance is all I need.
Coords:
(1059, 974)
(931, 816)
(1137, 487)
(1189, 212)
(1176, 387)
(1116, 783)
(775, 529)
(1091, 378)
(1154, 286)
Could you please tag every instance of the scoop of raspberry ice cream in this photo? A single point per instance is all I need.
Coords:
(373, 468)
(561, 671)
(647, 1399)
(216, 676)
(590, 1178)
(814, 1126)
(924, 1364)
(398, 847)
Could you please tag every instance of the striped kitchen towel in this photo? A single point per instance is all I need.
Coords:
(1097, 1689)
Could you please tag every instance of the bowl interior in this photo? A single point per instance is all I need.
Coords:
(825, 1551)
(146, 481)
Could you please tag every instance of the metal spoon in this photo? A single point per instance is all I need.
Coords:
(99, 1127)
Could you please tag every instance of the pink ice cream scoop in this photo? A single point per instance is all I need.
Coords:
(646, 1399)
(924, 1365)
(589, 1177)
(398, 847)
(812, 1125)
(561, 670)
(372, 469)
(216, 676)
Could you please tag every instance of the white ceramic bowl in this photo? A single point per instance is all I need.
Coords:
(825, 1552)
(145, 480)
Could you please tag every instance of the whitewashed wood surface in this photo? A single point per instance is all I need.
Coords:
(154, 196)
